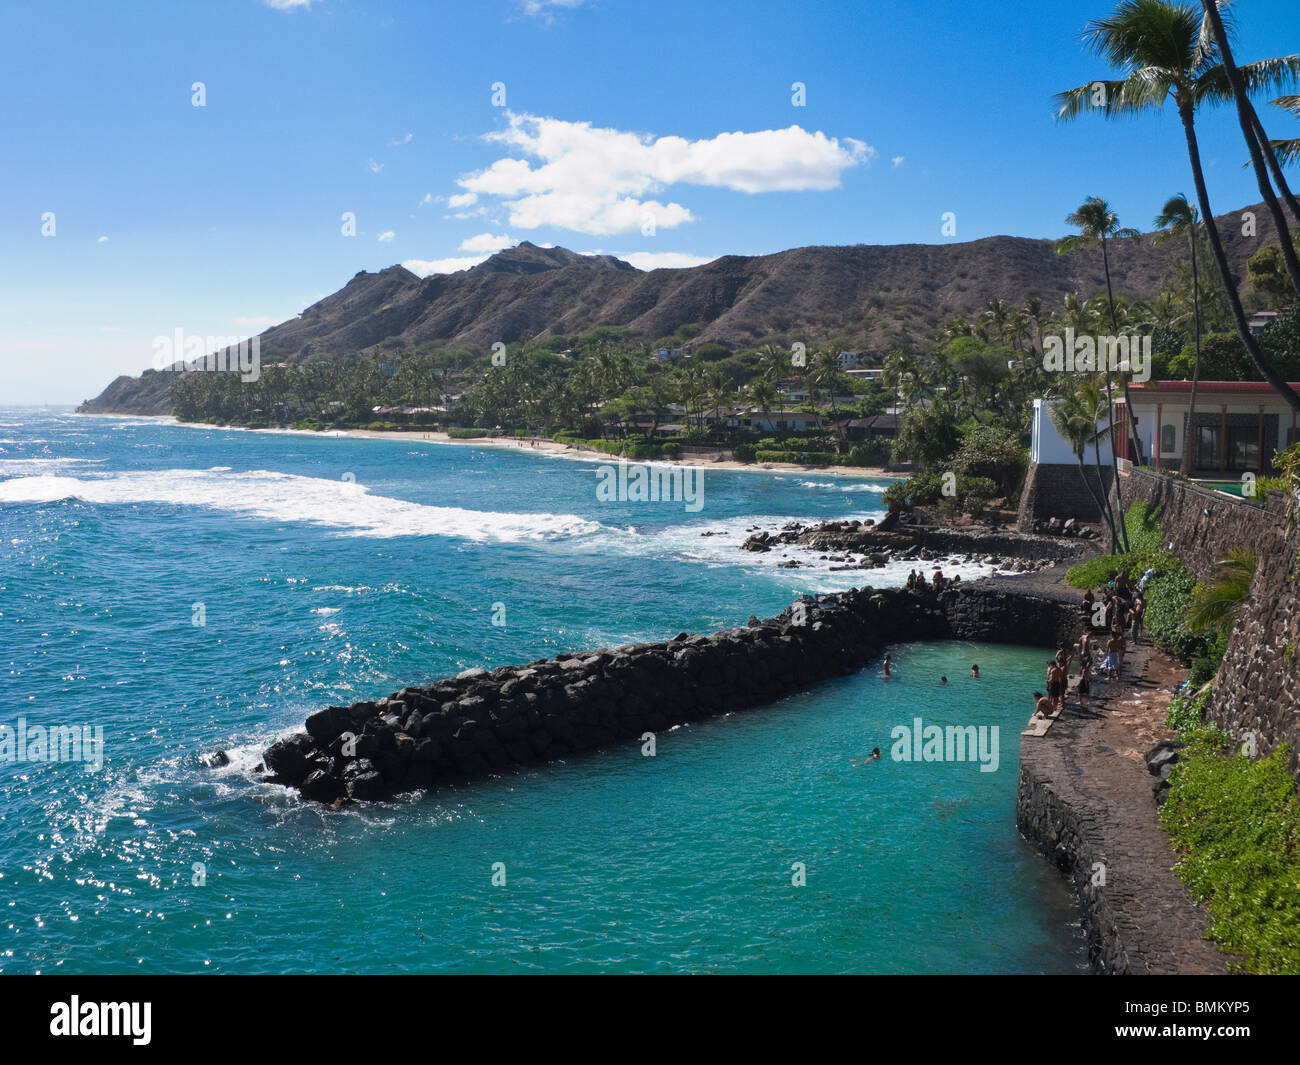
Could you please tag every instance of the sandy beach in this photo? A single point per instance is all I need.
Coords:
(583, 454)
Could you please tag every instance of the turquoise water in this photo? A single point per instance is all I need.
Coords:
(333, 569)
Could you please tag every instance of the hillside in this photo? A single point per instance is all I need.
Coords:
(875, 295)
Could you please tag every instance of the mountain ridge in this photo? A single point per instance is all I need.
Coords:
(878, 296)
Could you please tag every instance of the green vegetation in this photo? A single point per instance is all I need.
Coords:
(1186, 711)
(1236, 824)
(927, 489)
(1169, 592)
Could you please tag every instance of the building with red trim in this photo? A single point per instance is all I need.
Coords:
(1237, 427)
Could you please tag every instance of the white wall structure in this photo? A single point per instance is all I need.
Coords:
(1048, 447)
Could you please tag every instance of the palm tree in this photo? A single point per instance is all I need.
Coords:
(1165, 52)
(1097, 223)
(1217, 605)
(1261, 153)
(1287, 151)
(824, 374)
(1075, 416)
(1178, 218)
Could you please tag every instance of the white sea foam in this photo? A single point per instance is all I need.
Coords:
(343, 505)
(877, 489)
(724, 549)
(29, 467)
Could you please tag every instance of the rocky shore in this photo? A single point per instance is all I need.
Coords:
(482, 722)
(867, 544)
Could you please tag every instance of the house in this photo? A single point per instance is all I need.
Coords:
(1238, 426)
(846, 360)
(782, 420)
(876, 427)
(866, 373)
(1261, 320)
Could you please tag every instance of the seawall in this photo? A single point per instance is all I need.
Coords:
(481, 722)
(1257, 689)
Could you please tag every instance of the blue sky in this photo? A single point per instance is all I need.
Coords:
(617, 134)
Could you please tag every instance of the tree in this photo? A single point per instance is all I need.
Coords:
(1218, 604)
(993, 452)
(1268, 278)
(1261, 153)
(1287, 151)
(1166, 52)
(1097, 223)
(1178, 218)
(1075, 416)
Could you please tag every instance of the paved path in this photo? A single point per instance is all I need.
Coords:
(1086, 799)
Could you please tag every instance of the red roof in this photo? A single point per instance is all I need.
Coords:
(1206, 386)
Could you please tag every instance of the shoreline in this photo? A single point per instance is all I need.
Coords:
(544, 446)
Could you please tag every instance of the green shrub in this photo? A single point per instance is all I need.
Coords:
(744, 452)
(871, 453)
(1236, 826)
(1145, 533)
(672, 450)
(458, 432)
(925, 489)
(804, 458)
(976, 492)
(1188, 706)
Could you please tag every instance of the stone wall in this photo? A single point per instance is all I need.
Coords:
(1057, 491)
(1199, 523)
(481, 722)
(1257, 689)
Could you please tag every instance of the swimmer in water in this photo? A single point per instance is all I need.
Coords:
(873, 757)
(943, 680)
(886, 665)
(974, 671)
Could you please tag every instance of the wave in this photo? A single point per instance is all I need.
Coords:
(343, 505)
(878, 489)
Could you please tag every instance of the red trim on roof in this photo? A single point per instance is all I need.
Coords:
(1207, 386)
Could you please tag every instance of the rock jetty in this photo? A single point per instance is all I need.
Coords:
(481, 722)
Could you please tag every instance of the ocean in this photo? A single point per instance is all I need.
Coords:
(184, 590)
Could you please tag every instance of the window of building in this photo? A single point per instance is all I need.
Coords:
(1243, 447)
(1207, 447)
(1167, 439)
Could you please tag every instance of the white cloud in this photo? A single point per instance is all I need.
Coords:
(375, 167)
(428, 198)
(673, 260)
(593, 180)
(260, 319)
(288, 5)
(425, 267)
(486, 242)
(461, 199)
(102, 240)
(404, 140)
(897, 160)
(545, 8)
(386, 236)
